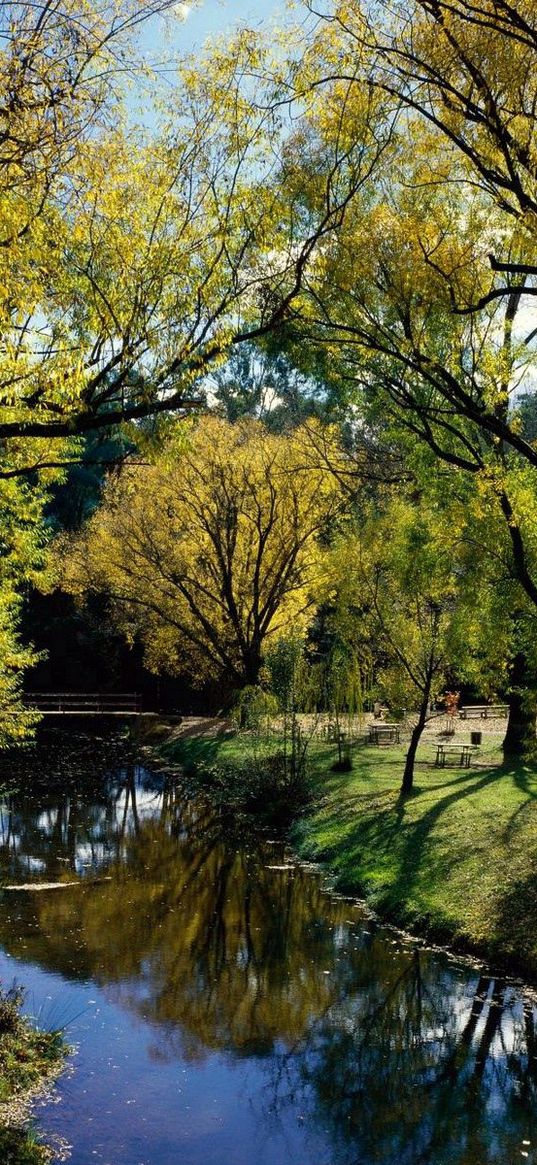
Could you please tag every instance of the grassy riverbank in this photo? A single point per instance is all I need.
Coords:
(28, 1060)
(457, 860)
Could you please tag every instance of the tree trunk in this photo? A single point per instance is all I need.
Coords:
(252, 665)
(521, 723)
(408, 775)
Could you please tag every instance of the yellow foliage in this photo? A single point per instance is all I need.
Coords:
(213, 548)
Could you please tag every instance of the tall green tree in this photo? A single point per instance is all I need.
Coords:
(403, 308)
(408, 575)
(22, 563)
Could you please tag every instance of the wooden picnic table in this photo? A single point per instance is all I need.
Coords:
(384, 733)
(463, 751)
(483, 710)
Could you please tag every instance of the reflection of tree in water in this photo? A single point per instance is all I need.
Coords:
(413, 1068)
(205, 941)
(399, 1055)
(196, 932)
(72, 809)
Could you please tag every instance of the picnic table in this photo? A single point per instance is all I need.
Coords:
(463, 752)
(384, 733)
(483, 710)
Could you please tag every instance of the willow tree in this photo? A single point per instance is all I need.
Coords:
(417, 588)
(211, 551)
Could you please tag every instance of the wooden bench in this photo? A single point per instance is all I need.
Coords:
(384, 733)
(483, 710)
(464, 753)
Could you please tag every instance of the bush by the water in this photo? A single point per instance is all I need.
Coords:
(269, 788)
(27, 1058)
(21, 1146)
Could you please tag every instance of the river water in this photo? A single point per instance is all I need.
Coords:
(224, 1008)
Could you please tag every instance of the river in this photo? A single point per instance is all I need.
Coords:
(224, 1008)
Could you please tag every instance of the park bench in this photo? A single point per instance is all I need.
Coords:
(460, 754)
(483, 710)
(384, 733)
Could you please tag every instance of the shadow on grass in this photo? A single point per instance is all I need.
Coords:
(417, 834)
(514, 925)
(446, 851)
(524, 780)
(386, 845)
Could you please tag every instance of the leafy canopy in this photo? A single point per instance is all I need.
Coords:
(213, 549)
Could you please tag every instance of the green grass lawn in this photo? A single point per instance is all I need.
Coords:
(457, 859)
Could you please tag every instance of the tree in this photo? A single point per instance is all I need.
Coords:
(378, 313)
(23, 560)
(396, 314)
(60, 70)
(401, 307)
(61, 81)
(115, 306)
(212, 550)
(115, 303)
(406, 574)
(261, 383)
(343, 669)
(467, 72)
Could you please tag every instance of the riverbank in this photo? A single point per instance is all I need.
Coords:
(29, 1062)
(456, 861)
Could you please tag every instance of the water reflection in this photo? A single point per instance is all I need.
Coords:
(377, 1050)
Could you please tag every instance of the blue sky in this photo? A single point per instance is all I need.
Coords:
(212, 17)
(220, 15)
(162, 38)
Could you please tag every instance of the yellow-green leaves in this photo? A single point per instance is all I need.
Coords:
(212, 549)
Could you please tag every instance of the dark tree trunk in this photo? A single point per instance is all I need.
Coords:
(408, 775)
(251, 671)
(521, 723)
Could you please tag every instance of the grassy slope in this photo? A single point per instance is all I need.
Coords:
(457, 859)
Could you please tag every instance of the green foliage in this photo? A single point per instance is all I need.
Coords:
(26, 1055)
(10, 1004)
(295, 685)
(286, 667)
(342, 695)
(254, 708)
(23, 554)
(421, 591)
(266, 789)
